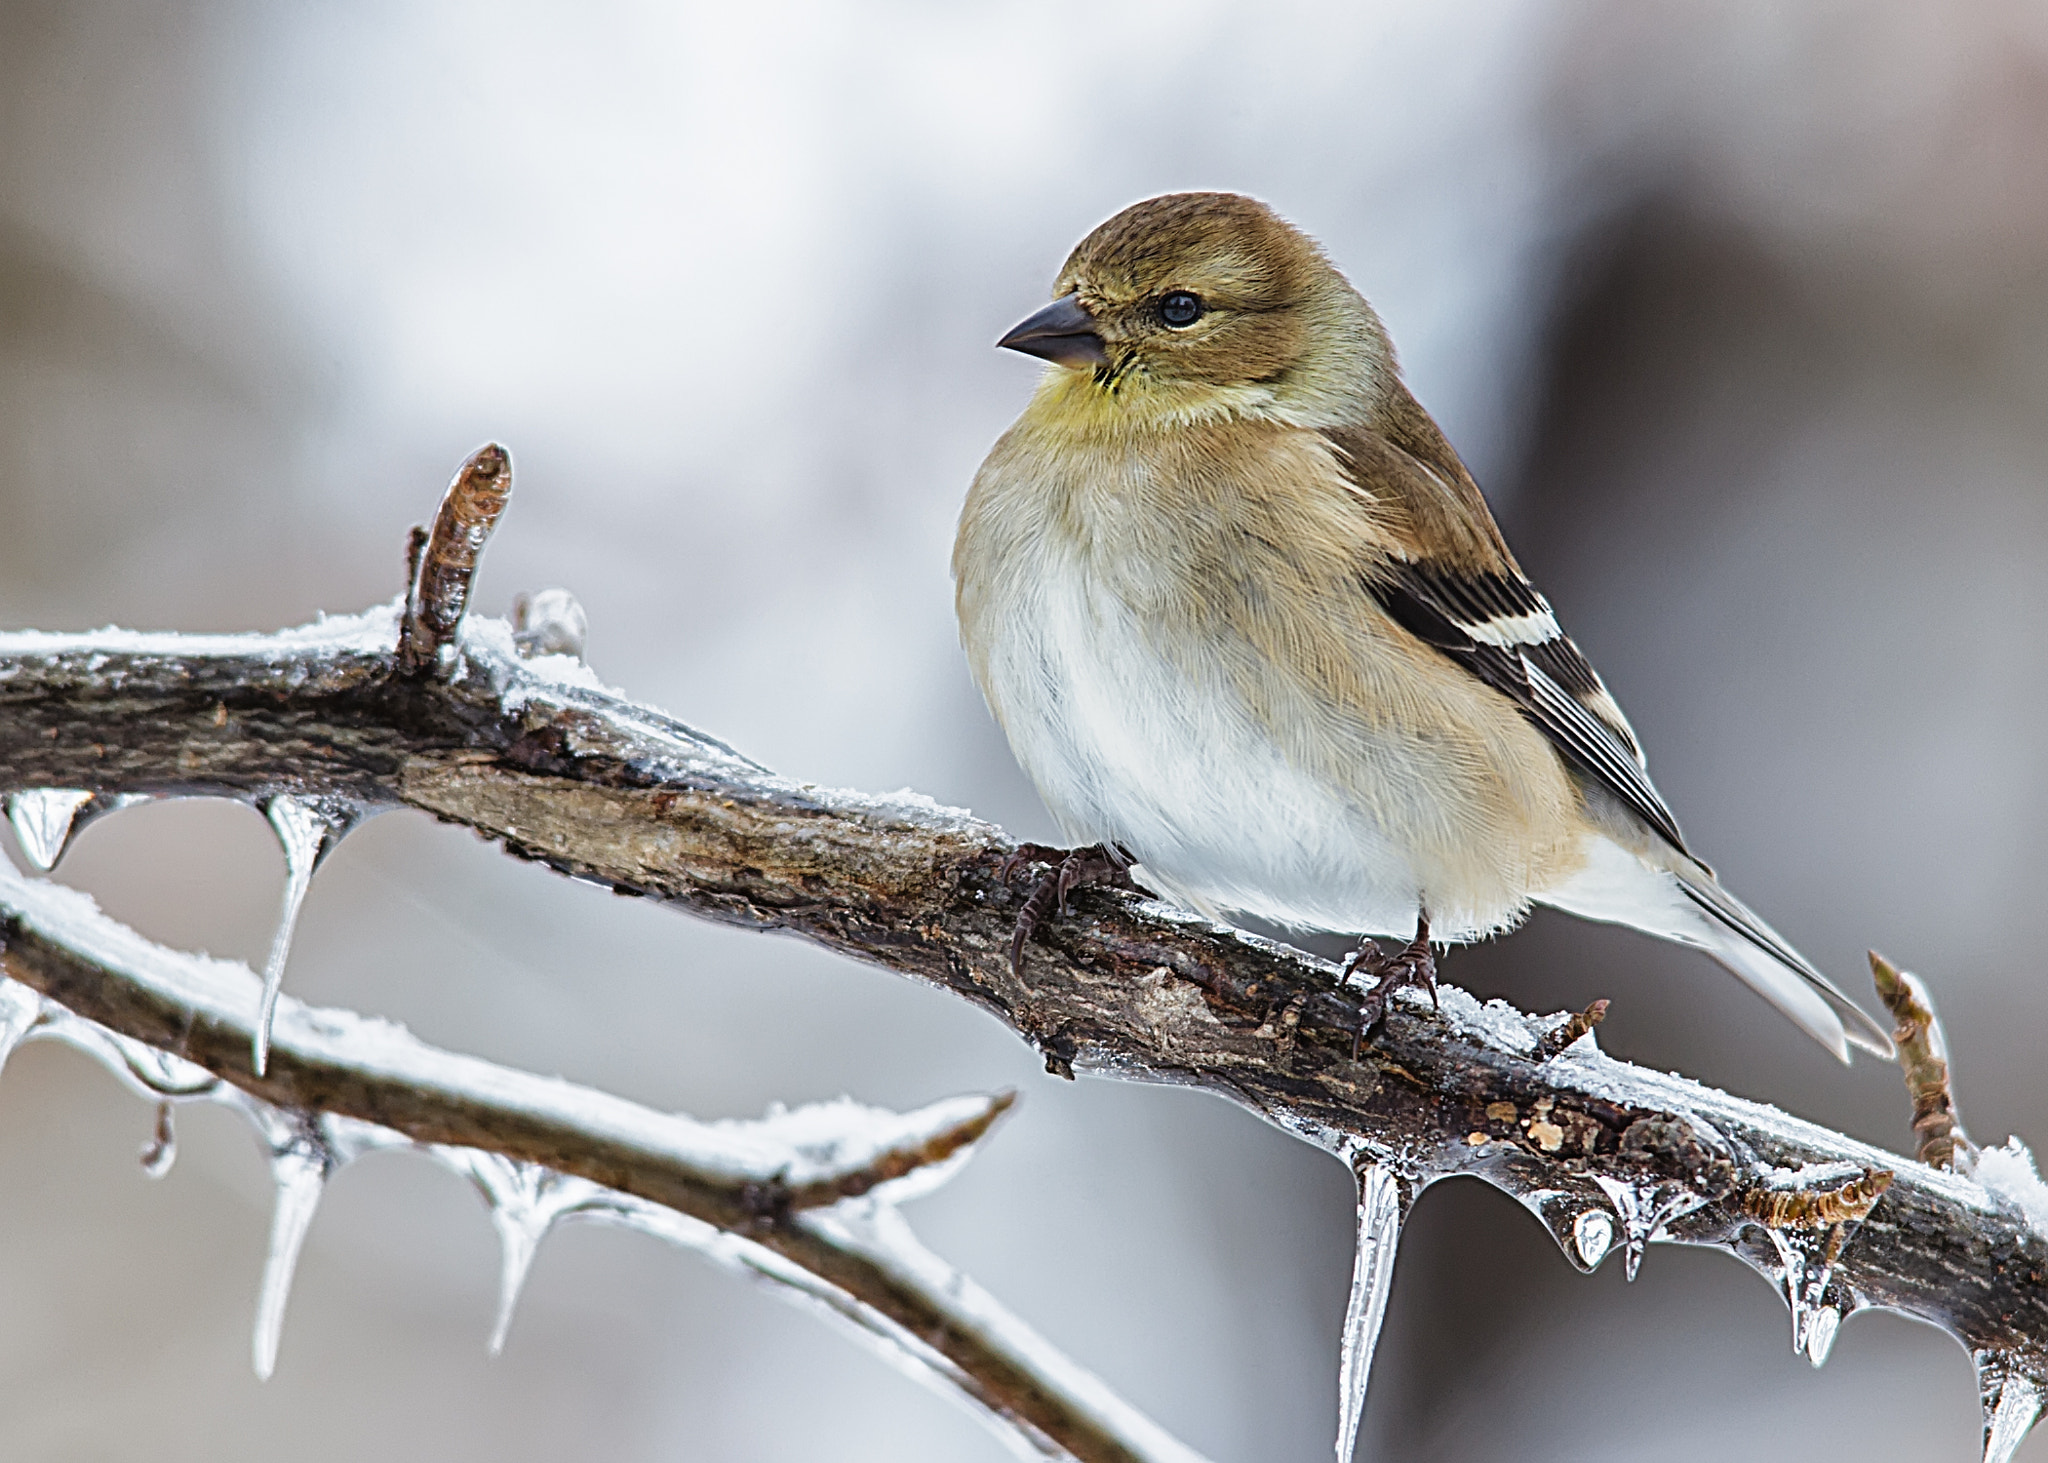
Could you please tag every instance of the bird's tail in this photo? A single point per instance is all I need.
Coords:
(1733, 935)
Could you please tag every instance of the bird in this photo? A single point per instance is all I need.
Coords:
(1248, 624)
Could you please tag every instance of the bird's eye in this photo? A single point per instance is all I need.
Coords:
(1180, 309)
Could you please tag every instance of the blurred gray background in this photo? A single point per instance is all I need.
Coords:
(1740, 311)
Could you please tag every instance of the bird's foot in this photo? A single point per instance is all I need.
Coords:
(1414, 964)
(1096, 864)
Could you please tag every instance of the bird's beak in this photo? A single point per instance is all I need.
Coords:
(1063, 331)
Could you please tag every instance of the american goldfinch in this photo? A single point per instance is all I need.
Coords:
(1246, 619)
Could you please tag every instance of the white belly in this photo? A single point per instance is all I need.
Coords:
(1127, 746)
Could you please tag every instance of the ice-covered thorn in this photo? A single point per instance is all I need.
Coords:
(2010, 1388)
(307, 829)
(1578, 1218)
(439, 592)
(20, 1009)
(525, 1199)
(518, 1242)
(1644, 1210)
(1569, 1030)
(1806, 1259)
(522, 1217)
(1923, 1054)
(933, 1154)
(299, 1173)
(549, 622)
(1820, 1336)
(42, 818)
(161, 1151)
(1383, 1200)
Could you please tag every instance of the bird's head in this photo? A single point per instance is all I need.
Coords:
(1195, 306)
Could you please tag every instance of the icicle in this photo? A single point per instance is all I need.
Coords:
(2010, 1389)
(1382, 1204)
(522, 1221)
(1644, 1209)
(42, 819)
(526, 1200)
(305, 1152)
(307, 829)
(299, 1170)
(1820, 1335)
(1808, 1257)
(161, 1151)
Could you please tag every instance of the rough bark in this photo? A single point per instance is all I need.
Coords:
(596, 787)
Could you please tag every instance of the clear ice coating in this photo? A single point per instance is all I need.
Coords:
(1593, 1236)
(1382, 1204)
(1645, 1209)
(42, 818)
(306, 830)
(2010, 1389)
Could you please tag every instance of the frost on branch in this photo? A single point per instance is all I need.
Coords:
(508, 733)
(806, 1199)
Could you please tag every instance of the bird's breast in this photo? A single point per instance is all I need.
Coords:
(1188, 666)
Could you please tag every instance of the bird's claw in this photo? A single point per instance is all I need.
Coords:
(1414, 964)
(1096, 864)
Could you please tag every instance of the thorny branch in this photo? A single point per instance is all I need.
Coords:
(405, 1086)
(397, 709)
(728, 1178)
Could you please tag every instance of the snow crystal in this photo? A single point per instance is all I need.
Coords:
(2008, 1173)
(1495, 1024)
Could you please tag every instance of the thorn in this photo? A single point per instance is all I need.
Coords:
(1554, 1041)
(439, 592)
(43, 818)
(1923, 1057)
(896, 1162)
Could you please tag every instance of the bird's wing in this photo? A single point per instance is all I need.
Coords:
(1449, 580)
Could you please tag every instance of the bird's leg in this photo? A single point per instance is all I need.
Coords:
(1098, 863)
(1414, 964)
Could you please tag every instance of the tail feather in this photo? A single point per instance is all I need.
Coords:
(1779, 973)
(1679, 900)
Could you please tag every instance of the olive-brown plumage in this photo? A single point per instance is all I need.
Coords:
(1241, 610)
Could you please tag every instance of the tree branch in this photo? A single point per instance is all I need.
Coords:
(777, 1189)
(541, 758)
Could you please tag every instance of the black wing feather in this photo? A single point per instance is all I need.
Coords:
(1547, 678)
